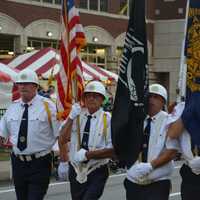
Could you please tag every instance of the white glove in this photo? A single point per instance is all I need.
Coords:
(144, 168)
(195, 165)
(138, 172)
(63, 169)
(134, 174)
(75, 111)
(80, 156)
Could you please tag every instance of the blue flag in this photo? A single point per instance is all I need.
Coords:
(131, 95)
(191, 114)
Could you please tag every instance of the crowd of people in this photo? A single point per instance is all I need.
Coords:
(85, 144)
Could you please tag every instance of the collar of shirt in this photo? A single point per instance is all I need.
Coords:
(94, 115)
(155, 117)
(155, 121)
(30, 102)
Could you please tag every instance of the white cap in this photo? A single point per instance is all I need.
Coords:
(158, 89)
(95, 86)
(27, 76)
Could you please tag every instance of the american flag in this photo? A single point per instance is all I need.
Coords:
(70, 78)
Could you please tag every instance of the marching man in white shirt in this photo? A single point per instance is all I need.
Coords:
(148, 178)
(31, 124)
(190, 170)
(88, 132)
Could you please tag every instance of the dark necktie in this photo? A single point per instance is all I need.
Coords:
(146, 140)
(195, 149)
(22, 136)
(85, 139)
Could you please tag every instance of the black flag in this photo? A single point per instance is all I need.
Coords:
(131, 97)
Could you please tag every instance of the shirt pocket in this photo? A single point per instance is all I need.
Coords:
(13, 124)
(97, 140)
(38, 122)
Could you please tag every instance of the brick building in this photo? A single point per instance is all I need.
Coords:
(33, 24)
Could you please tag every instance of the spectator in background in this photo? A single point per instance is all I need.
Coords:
(185, 127)
(42, 92)
(108, 101)
(51, 89)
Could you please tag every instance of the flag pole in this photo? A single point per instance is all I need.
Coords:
(181, 90)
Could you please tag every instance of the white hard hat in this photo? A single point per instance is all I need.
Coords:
(95, 86)
(158, 89)
(27, 76)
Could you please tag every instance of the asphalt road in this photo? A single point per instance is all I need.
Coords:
(114, 189)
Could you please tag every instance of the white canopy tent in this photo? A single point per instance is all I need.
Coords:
(47, 61)
(7, 75)
(44, 62)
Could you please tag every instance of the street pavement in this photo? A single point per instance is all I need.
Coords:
(113, 190)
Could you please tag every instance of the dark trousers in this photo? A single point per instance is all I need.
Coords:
(190, 186)
(155, 191)
(31, 179)
(93, 188)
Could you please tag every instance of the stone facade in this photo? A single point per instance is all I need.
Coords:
(22, 19)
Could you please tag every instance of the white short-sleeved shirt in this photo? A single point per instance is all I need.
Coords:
(158, 143)
(159, 126)
(41, 135)
(97, 140)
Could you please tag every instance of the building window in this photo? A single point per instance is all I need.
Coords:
(124, 7)
(98, 5)
(104, 5)
(6, 46)
(119, 52)
(83, 4)
(57, 1)
(48, 1)
(93, 5)
(95, 55)
(35, 44)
